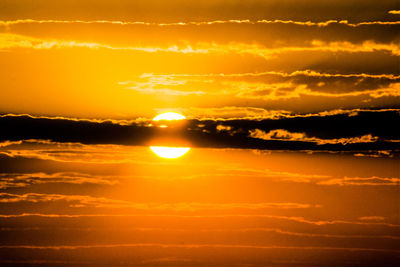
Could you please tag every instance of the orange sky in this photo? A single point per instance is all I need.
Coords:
(58, 59)
(107, 203)
(291, 145)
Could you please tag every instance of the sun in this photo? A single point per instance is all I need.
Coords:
(166, 151)
(169, 152)
(169, 116)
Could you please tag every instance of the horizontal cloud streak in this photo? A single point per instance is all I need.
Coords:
(100, 202)
(301, 220)
(318, 132)
(307, 72)
(280, 134)
(200, 23)
(25, 180)
(9, 41)
(197, 246)
(371, 181)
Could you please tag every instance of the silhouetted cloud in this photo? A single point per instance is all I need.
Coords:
(351, 131)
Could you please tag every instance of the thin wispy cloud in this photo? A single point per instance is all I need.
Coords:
(9, 41)
(200, 23)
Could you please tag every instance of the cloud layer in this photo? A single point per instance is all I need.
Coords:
(351, 131)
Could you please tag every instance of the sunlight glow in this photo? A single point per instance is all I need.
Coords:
(169, 116)
(169, 152)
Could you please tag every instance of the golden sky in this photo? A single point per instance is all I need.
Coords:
(105, 204)
(288, 156)
(125, 59)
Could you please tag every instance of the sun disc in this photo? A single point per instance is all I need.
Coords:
(169, 116)
(169, 152)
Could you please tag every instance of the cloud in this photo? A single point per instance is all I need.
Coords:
(197, 246)
(278, 218)
(10, 41)
(75, 200)
(171, 78)
(80, 201)
(179, 10)
(120, 121)
(372, 218)
(24, 180)
(314, 46)
(70, 152)
(360, 130)
(9, 143)
(269, 86)
(201, 23)
(165, 91)
(280, 134)
(394, 12)
(288, 90)
(375, 154)
(356, 181)
(157, 85)
(231, 113)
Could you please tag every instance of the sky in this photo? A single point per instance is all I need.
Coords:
(129, 59)
(291, 137)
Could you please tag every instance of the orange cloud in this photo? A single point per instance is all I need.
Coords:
(356, 181)
(252, 216)
(120, 122)
(9, 143)
(200, 23)
(200, 245)
(372, 218)
(213, 113)
(24, 180)
(231, 113)
(183, 79)
(100, 202)
(8, 41)
(289, 90)
(281, 134)
(222, 85)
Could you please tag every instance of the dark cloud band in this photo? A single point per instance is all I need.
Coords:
(364, 130)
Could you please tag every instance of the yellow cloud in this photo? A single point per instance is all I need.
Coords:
(281, 134)
(306, 72)
(220, 84)
(356, 181)
(9, 41)
(231, 113)
(10, 180)
(200, 23)
(100, 202)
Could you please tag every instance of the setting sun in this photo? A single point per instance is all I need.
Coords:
(169, 152)
(169, 116)
(166, 151)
